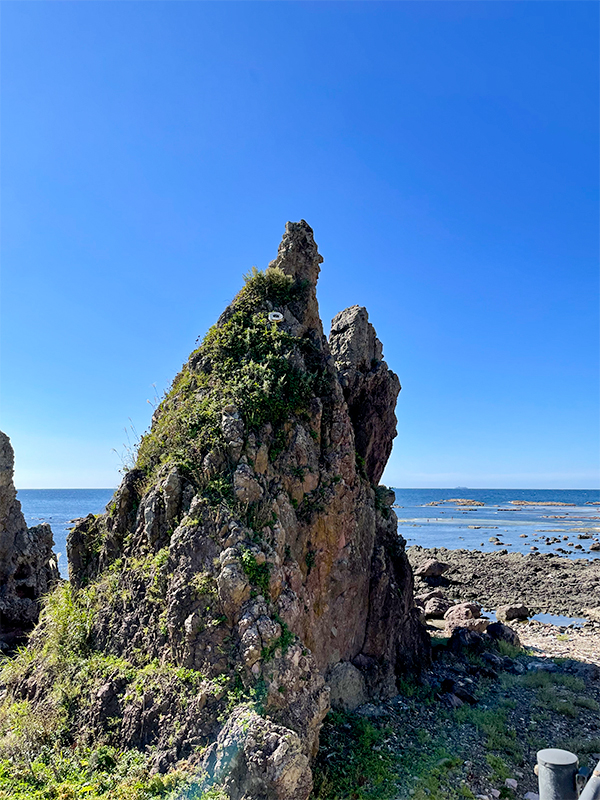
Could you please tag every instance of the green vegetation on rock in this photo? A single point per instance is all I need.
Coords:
(244, 360)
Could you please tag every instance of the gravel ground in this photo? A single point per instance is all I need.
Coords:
(544, 583)
(547, 694)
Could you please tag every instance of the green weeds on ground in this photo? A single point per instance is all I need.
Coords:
(40, 754)
(493, 724)
(355, 761)
(258, 574)
(97, 774)
(363, 760)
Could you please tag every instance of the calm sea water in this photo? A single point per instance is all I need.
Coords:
(59, 507)
(520, 528)
(445, 525)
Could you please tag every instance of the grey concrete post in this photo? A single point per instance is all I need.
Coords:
(592, 787)
(556, 770)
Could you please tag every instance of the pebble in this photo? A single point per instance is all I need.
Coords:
(511, 783)
(531, 796)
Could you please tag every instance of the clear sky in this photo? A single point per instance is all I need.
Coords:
(445, 153)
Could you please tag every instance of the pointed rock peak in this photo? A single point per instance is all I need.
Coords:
(298, 254)
(353, 341)
(370, 388)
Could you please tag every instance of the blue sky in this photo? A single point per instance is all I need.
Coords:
(444, 153)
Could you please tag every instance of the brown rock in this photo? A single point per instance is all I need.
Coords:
(347, 686)
(245, 487)
(370, 388)
(464, 611)
(436, 607)
(269, 557)
(465, 615)
(253, 757)
(498, 630)
(423, 598)
(431, 569)
(515, 611)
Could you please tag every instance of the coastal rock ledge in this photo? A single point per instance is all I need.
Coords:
(28, 567)
(250, 551)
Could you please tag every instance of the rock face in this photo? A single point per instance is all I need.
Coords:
(370, 388)
(252, 545)
(27, 564)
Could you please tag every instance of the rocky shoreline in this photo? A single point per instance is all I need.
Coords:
(473, 724)
(544, 583)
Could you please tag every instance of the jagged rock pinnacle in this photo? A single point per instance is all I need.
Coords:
(251, 547)
(370, 388)
(27, 565)
(298, 254)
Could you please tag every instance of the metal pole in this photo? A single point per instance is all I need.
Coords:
(592, 787)
(556, 770)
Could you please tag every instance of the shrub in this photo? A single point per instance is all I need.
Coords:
(65, 625)
(258, 574)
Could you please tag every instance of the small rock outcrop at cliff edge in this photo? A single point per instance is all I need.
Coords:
(251, 552)
(27, 564)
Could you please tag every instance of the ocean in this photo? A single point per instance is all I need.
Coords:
(59, 507)
(518, 528)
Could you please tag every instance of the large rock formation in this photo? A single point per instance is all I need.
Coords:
(27, 564)
(251, 546)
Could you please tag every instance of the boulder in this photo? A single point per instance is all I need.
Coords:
(432, 568)
(347, 686)
(515, 611)
(478, 625)
(421, 599)
(542, 666)
(494, 660)
(498, 630)
(463, 611)
(436, 607)
(465, 615)
(464, 639)
(253, 757)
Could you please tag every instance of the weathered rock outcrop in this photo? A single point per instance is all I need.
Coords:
(251, 545)
(27, 564)
(370, 388)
